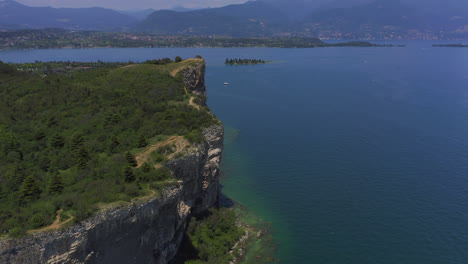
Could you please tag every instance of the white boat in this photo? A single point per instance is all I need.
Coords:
(226, 83)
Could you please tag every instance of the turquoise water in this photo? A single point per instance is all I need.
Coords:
(355, 155)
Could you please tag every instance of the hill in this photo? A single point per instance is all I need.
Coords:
(16, 15)
(339, 19)
(357, 19)
(386, 19)
(138, 14)
(244, 20)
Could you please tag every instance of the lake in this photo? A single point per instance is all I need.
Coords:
(355, 155)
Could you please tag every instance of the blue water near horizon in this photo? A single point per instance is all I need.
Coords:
(355, 155)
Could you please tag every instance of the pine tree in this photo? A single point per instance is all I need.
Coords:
(29, 189)
(40, 135)
(131, 160)
(142, 142)
(15, 178)
(56, 183)
(77, 142)
(129, 175)
(115, 143)
(146, 168)
(57, 141)
(82, 158)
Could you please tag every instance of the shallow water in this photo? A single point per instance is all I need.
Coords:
(355, 155)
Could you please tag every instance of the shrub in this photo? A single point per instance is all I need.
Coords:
(166, 149)
(157, 158)
(195, 136)
(215, 235)
(38, 220)
(17, 232)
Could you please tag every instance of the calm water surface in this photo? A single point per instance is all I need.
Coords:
(355, 155)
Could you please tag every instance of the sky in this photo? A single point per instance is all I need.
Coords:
(131, 4)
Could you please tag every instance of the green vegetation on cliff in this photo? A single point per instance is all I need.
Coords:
(76, 138)
(227, 235)
(214, 236)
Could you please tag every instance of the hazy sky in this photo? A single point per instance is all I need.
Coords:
(284, 4)
(131, 4)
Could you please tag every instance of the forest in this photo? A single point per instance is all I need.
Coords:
(69, 133)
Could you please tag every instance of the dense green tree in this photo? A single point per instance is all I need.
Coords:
(40, 135)
(77, 142)
(82, 157)
(178, 59)
(3, 192)
(214, 236)
(8, 141)
(114, 144)
(159, 61)
(15, 178)
(29, 189)
(37, 220)
(129, 175)
(56, 183)
(142, 142)
(57, 141)
(6, 68)
(146, 168)
(131, 159)
(52, 122)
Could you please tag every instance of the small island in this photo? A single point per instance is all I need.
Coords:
(245, 61)
(450, 45)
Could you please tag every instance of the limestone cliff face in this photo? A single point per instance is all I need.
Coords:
(147, 231)
(194, 78)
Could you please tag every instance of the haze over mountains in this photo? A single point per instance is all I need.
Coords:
(247, 20)
(322, 18)
(16, 15)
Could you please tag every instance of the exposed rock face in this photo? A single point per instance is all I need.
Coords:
(194, 79)
(147, 231)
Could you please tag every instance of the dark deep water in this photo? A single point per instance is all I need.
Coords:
(355, 155)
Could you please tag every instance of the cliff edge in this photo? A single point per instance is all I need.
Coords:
(148, 230)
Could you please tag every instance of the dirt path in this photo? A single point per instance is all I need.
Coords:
(178, 141)
(192, 103)
(55, 225)
(176, 71)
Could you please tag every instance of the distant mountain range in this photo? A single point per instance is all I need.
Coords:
(387, 19)
(144, 13)
(16, 15)
(352, 19)
(323, 18)
(138, 14)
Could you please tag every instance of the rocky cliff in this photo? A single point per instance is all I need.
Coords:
(148, 230)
